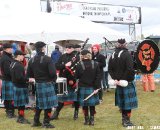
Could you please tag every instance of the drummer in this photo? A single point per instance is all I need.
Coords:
(43, 70)
(88, 73)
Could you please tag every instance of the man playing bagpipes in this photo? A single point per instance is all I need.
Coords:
(64, 65)
(122, 72)
(88, 73)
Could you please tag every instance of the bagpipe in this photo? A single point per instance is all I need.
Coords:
(145, 55)
(69, 71)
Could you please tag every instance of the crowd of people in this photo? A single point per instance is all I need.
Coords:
(86, 69)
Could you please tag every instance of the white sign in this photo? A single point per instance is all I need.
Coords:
(99, 12)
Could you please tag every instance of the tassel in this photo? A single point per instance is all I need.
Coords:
(49, 114)
(129, 114)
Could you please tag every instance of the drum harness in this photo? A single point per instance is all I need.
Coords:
(83, 66)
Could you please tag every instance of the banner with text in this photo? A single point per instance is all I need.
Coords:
(99, 12)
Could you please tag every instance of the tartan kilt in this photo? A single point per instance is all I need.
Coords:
(126, 97)
(20, 96)
(85, 92)
(7, 90)
(45, 95)
(71, 96)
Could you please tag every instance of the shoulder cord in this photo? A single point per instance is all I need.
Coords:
(41, 60)
(12, 65)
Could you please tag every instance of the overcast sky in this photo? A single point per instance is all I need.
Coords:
(150, 14)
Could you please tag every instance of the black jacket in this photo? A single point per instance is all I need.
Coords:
(18, 74)
(41, 68)
(101, 60)
(5, 62)
(60, 65)
(121, 68)
(90, 76)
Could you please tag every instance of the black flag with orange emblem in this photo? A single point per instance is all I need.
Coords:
(147, 56)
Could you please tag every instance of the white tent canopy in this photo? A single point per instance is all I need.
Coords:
(51, 28)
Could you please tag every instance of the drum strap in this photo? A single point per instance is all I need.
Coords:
(42, 57)
(83, 66)
(119, 54)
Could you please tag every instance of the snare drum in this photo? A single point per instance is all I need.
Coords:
(61, 86)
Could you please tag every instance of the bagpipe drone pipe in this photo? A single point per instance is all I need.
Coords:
(69, 71)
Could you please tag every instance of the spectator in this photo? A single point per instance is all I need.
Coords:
(100, 59)
(56, 54)
(105, 76)
(148, 82)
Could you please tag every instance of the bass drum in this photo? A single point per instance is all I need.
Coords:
(147, 56)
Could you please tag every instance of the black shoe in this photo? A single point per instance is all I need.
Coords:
(86, 122)
(54, 116)
(91, 122)
(126, 121)
(126, 124)
(11, 115)
(36, 124)
(48, 125)
(75, 117)
(22, 120)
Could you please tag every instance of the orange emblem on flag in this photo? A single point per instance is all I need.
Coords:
(146, 56)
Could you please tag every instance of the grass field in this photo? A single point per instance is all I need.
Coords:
(108, 117)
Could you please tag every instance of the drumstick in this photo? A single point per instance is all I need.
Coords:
(90, 95)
